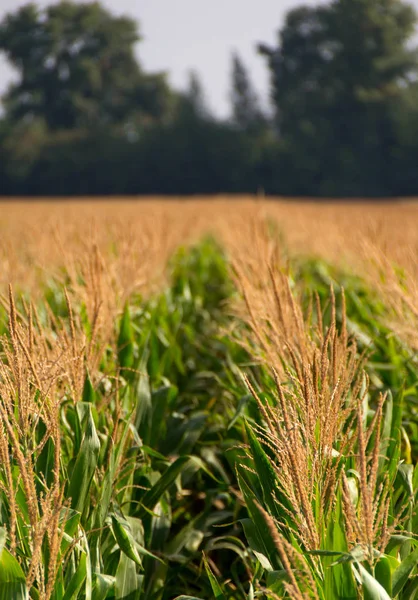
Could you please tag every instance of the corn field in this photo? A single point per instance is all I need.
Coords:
(212, 398)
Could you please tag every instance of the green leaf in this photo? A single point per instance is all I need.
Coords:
(409, 592)
(256, 543)
(132, 528)
(125, 342)
(73, 587)
(3, 537)
(397, 540)
(143, 413)
(128, 583)
(123, 535)
(85, 465)
(394, 449)
(160, 400)
(265, 472)
(338, 576)
(242, 404)
(275, 580)
(402, 573)
(383, 573)
(372, 590)
(70, 520)
(386, 430)
(89, 395)
(184, 538)
(258, 518)
(102, 585)
(106, 490)
(169, 476)
(406, 473)
(216, 588)
(85, 546)
(12, 578)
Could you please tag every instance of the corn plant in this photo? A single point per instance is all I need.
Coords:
(221, 420)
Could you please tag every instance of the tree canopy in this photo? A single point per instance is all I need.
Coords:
(343, 119)
(76, 68)
(246, 111)
(337, 73)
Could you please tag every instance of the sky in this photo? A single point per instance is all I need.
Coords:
(180, 35)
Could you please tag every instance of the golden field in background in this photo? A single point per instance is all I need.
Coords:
(124, 244)
(40, 234)
(39, 238)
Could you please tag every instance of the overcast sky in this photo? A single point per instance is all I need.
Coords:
(180, 35)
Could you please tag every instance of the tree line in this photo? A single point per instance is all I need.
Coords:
(83, 117)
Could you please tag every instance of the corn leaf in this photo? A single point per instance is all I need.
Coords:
(372, 590)
(216, 588)
(125, 342)
(12, 578)
(167, 479)
(85, 465)
(402, 573)
(73, 587)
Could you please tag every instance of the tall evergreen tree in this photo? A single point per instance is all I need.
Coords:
(195, 96)
(246, 111)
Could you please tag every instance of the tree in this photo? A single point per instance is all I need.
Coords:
(246, 111)
(406, 154)
(76, 68)
(194, 98)
(338, 73)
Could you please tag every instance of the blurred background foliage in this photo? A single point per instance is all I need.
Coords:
(342, 120)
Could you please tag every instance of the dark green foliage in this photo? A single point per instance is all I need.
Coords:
(246, 111)
(338, 75)
(83, 118)
(76, 68)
